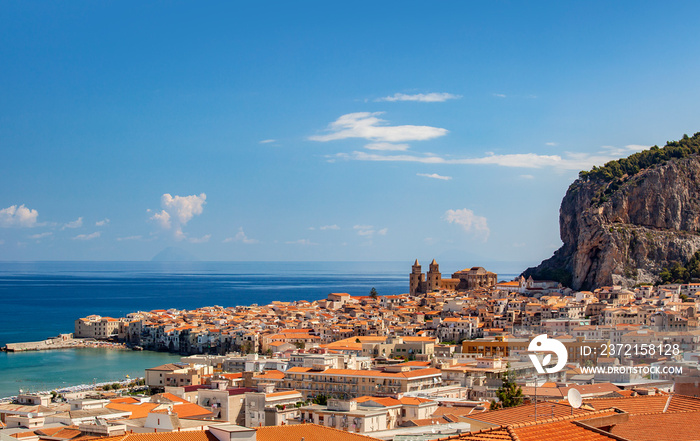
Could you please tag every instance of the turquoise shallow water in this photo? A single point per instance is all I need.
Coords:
(55, 369)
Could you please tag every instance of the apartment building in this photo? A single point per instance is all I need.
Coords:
(354, 383)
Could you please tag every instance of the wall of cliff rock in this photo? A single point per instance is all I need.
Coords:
(628, 232)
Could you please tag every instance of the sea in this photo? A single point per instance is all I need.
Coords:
(43, 299)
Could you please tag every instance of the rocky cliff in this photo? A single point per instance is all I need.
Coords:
(626, 229)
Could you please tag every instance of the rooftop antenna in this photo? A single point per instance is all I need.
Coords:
(574, 398)
(536, 397)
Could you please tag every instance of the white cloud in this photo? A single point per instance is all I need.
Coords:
(527, 176)
(499, 95)
(386, 146)
(435, 176)
(162, 218)
(636, 147)
(301, 242)
(267, 141)
(202, 239)
(551, 144)
(434, 97)
(178, 211)
(570, 160)
(368, 231)
(102, 223)
(179, 235)
(14, 216)
(330, 227)
(240, 237)
(519, 245)
(74, 224)
(40, 235)
(469, 221)
(90, 236)
(623, 151)
(184, 207)
(367, 126)
(129, 238)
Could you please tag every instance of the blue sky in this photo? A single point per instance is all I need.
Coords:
(324, 130)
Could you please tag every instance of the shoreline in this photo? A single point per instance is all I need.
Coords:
(83, 387)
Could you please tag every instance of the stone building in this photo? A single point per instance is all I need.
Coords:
(94, 326)
(465, 279)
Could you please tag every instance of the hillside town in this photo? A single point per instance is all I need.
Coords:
(437, 362)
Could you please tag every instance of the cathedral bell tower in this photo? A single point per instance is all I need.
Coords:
(415, 279)
(434, 277)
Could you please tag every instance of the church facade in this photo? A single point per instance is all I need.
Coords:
(432, 281)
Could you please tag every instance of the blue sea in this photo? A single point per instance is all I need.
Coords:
(43, 299)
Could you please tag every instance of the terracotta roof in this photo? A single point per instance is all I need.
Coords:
(592, 389)
(190, 410)
(553, 429)
(65, 433)
(137, 410)
(125, 400)
(559, 430)
(232, 376)
(670, 426)
(530, 391)
(500, 434)
(271, 374)
(168, 396)
(384, 401)
(414, 401)
(196, 435)
(309, 432)
(526, 413)
(647, 403)
(165, 367)
(283, 393)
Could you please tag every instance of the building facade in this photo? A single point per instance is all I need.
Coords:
(469, 278)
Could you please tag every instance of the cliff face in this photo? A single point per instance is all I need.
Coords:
(627, 232)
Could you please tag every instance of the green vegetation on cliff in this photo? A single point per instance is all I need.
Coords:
(632, 164)
(678, 273)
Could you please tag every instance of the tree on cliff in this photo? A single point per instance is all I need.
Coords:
(677, 273)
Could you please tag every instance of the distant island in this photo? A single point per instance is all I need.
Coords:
(174, 254)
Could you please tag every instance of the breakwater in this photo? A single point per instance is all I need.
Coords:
(64, 341)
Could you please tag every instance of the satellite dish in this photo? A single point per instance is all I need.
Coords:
(574, 397)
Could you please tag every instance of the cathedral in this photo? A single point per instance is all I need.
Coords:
(469, 278)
